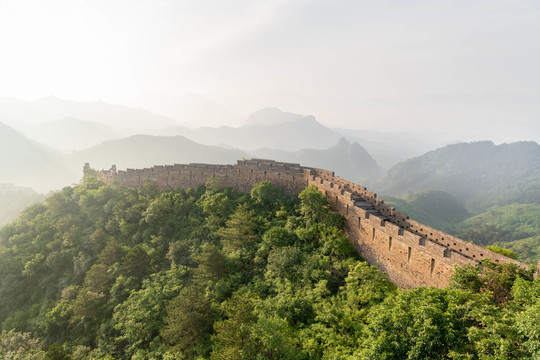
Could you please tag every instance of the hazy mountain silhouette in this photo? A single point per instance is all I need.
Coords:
(348, 160)
(431, 207)
(190, 109)
(269, 128)
(140, 151)
(71, 134)
(25, 162)
(271, 116)
(15, 199)
(390, 148)
(72, 125)
(13, 111)
(279, 130)
(480, 174)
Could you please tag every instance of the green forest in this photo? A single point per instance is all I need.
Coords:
(108, 272)
(514, 226)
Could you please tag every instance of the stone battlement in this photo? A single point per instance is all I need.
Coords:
(412, 254)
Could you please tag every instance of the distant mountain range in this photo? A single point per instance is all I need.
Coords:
(268, 128)
(67, 126)
(140, 151)
(348, 160)
(18, 112)
(25, 162)
(480, 174)
(32, 164)
(69, 134)
(272, 128)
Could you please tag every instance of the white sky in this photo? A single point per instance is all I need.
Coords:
(437, 65)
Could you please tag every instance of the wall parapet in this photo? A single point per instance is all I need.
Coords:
(412, 254)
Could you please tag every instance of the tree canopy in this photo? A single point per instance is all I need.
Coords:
(107, 272)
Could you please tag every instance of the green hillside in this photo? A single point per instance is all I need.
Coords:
(15, 199)
(479, 174)
(101, 272)
(435, 208)
(516, 227)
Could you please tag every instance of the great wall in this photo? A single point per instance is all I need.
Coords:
(412, 254)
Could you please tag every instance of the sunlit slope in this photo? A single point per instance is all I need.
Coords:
(480, 174)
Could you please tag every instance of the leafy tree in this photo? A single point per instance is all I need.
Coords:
(269, 198)
(238, 236)
(179, 253)
(233, 333)
(111, 254)
(57, 352)
(136, 262)
(502, 251)
(273, 338)
(20, 346)
(423, 323)
(211, 265)
(313, 204)
(140, 318)
(496, 279)
(189, 322)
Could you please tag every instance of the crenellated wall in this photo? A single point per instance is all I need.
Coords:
(412, 254)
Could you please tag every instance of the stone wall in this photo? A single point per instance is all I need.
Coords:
(412, 254)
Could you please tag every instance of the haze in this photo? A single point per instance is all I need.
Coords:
(465, 69)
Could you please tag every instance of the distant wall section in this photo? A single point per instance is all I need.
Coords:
(412, 254)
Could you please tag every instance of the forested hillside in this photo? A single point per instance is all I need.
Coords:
(485, 193)
(102, 272)
(516, 227)
(481, 174)
(13, 200)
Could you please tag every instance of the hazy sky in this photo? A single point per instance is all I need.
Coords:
(450, 66)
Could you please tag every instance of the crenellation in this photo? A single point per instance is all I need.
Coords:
(411, 253)
(393, 229)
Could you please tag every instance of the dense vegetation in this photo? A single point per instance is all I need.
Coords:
(479, 174)
(13, 200)
(516, 227)
(105, 272)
